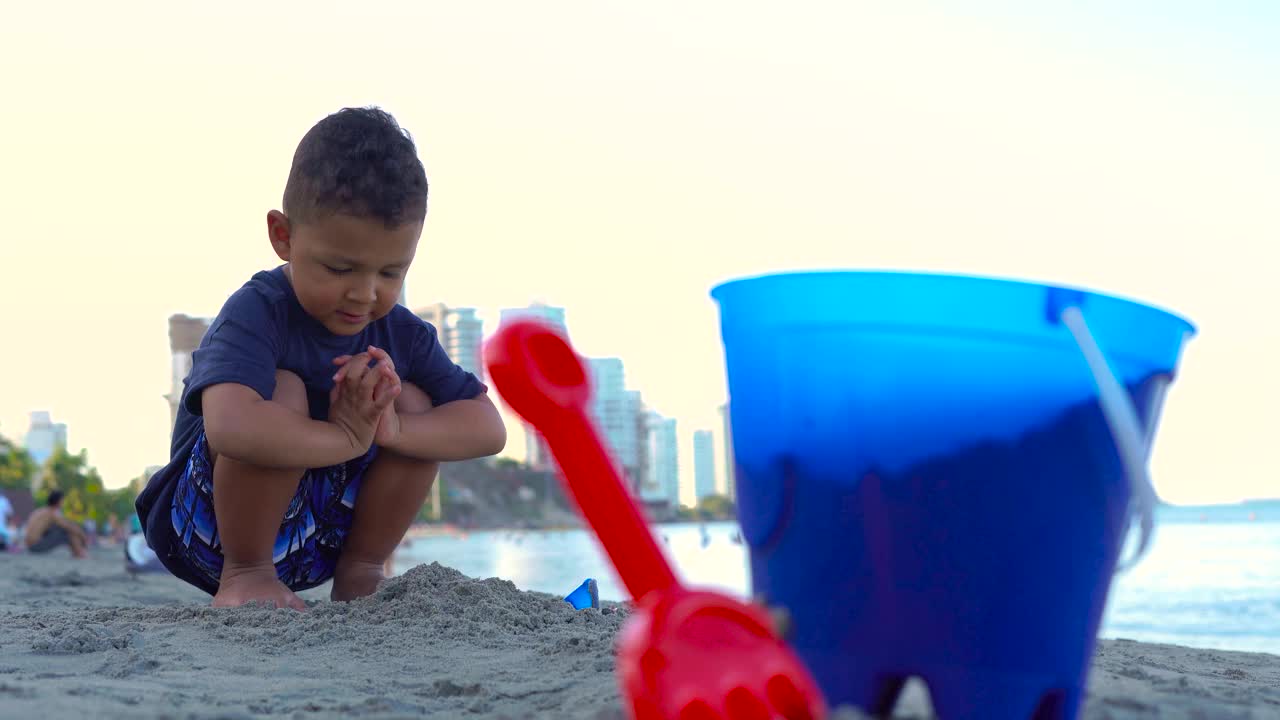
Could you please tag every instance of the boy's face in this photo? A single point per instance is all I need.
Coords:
(346, 271)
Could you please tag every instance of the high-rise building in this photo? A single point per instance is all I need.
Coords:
(185, 334)
(663, 481)
(44, 437)
(609, 408)
(637, 427)
(537, 454)
(459, 332)
(730, 467)
(437, 315)
(704, 464)
(466, 338)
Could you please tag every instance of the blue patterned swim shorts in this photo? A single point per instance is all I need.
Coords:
(311, 534)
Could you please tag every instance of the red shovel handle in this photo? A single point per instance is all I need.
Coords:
(544, 381)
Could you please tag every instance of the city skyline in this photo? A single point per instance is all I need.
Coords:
(623, 421)
(185, 328)
(652, 467)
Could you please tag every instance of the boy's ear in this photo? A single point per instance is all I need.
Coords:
(280, 234)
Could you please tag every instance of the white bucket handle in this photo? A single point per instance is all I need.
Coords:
(1122, 418)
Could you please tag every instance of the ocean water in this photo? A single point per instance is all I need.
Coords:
(1211, 578)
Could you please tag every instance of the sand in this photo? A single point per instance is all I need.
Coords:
(85, 640)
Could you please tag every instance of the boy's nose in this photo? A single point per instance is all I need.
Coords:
(364, 292)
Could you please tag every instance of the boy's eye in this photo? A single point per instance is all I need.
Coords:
(337, 271)
(392, 274)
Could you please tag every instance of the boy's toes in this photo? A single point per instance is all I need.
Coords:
(243, 587)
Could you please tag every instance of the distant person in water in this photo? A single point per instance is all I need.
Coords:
(48, 528)
(317, 408)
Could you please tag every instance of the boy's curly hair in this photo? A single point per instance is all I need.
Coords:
(359, 162)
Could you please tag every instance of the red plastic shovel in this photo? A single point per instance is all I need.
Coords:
(683, 654)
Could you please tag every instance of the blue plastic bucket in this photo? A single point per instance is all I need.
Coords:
(935, 475)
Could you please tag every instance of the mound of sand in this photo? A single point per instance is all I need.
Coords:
(82, 639)
(429, 642)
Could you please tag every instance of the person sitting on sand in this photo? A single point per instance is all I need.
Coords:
(283, 473)
(48, 528)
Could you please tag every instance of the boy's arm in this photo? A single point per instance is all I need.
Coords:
(458, 430)
(240, 424)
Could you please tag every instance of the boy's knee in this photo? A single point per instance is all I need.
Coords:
(291, 392)
(412, 400)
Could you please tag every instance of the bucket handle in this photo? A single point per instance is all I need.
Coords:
(1122, 419)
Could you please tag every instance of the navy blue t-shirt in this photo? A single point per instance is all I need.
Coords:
(262, 328)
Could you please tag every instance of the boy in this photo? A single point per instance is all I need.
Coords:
(284, 473)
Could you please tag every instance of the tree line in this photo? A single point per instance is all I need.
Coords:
(84, 497)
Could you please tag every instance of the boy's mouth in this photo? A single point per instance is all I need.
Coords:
(352, 318)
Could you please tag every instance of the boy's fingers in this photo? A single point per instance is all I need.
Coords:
(345, 362)
(382, 356)
(369, 381)
(384, 387)
(364, 359)
(385, 401)
(341, 360)
(355, 371)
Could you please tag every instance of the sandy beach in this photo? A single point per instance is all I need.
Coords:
(86, 640)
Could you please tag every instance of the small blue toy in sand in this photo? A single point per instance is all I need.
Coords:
(586, 595)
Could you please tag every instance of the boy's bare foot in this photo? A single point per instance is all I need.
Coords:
(238, 586)
(354, 579)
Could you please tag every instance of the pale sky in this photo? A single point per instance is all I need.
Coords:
(620, 159)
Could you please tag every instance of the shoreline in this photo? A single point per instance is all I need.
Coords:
(438, 529)
(84, 639)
